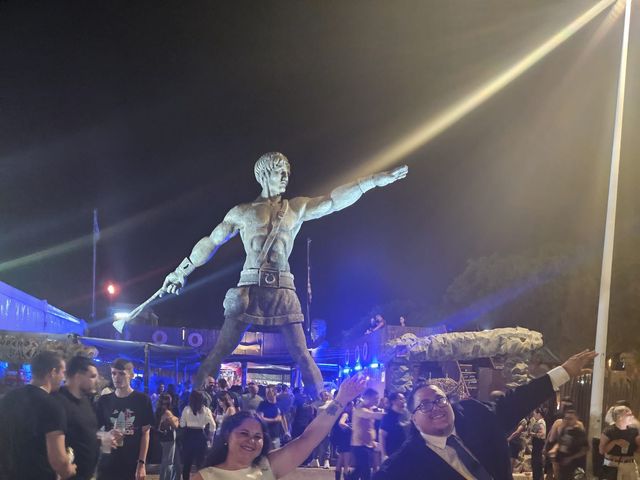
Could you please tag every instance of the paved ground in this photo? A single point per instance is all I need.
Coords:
(320, 474)
(300, 474)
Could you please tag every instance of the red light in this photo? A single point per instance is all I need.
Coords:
(112, 289)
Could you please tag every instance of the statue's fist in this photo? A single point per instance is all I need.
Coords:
(174, 283)
(385, 178)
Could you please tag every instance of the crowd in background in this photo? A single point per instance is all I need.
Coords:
(363, 436)
(554, 445)
(178, 429)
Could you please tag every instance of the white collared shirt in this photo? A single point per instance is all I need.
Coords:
(439, 445)
(447, 453)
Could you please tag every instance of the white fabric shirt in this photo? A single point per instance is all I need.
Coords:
(260, 472)
(447, 453)
(439, 445)
(204, 417)
(363, 425)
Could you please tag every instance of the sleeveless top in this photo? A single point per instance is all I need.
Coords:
(260, 472)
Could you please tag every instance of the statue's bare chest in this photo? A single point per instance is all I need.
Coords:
(260, 217)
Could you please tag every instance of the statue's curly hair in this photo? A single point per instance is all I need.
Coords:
(268, 162)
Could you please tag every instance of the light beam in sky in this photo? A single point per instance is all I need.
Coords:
(433, 127)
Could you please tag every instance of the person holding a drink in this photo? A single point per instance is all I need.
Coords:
(618, 443)
(127, 415)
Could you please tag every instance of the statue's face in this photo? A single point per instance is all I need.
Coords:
(276, 181)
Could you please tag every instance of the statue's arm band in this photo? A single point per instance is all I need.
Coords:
(366, 184)
(186, 267)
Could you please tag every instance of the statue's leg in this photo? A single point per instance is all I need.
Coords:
(297, 346)
(229, 338)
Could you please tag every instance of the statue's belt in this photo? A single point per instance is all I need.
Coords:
(266, 278)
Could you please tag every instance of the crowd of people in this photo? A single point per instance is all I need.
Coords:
(54, 431)
(555, 445)
(266, 431)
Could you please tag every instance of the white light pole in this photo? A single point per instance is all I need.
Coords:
(597, 385)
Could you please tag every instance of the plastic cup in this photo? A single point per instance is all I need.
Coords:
(105, 441)
(119, 438)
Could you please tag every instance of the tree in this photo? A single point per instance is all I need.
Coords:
(553, 289)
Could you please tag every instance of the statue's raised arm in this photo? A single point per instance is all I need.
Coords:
(202, 252)
(346, 195)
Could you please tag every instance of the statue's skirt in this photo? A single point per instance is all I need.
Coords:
(263, 306)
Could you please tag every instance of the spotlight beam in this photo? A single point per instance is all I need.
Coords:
(83, 241)
(426, 132)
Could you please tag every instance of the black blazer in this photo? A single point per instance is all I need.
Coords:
(483, 429)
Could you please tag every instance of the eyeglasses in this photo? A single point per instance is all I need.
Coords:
(427, 406)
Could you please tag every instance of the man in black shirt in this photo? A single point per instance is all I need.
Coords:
(269, 412)
(209, 393)
(395, 424)
(128, 414)
(32, 426)
(82, 424)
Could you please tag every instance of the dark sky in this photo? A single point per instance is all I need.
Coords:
(155, 112)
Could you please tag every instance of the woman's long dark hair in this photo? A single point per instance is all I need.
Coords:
(196, 401)
(162, 405)
(225, 398)
(220, 448)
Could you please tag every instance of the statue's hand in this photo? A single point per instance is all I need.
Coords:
(385, 178)
(174, 283)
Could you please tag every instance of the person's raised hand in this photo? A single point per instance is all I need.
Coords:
(351, 388)
(577, 362)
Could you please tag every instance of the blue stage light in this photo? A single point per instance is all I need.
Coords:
(346, 370)
(358, 367)
(374, 365)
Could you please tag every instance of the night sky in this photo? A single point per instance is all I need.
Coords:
(155, 112)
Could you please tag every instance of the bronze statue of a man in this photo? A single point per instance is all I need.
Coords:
(265, 295)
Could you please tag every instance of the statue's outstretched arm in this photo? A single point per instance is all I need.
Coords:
(346, 195)
(201, 253)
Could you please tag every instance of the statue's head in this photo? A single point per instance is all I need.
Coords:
(272, 173)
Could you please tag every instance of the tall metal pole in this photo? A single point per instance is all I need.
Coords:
(309, 295)
(147, 369)
(96, 236)
(597, 385)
